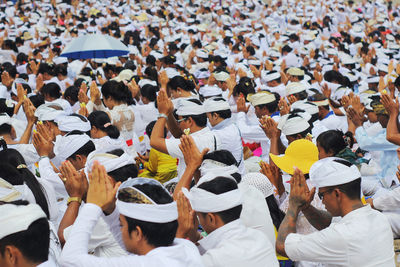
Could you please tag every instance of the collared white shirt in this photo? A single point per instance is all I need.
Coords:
(182, 253)
(235, 245)
(361, 238)
(204, 138)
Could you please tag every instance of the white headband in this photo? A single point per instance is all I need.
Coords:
(212, 166)
(109, 161)
(71, 123)
(157, 213)
(321, 103)
(211, 105)
(187, 108)
(65, 146)
(204, 201)
(293, 125)
(15, 218)
(8, 192)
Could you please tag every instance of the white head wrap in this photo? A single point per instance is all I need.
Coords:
(65, 146)
(157, 213)
(294, 88)
(330, 172)
(261, 98)
(72, 123)
(109, 161)
(186, 108)
(221, 76)
(293, 125)
(46, 112)
(259, 181)
(212, 105)
(8, 192)
(210, 90)
(204, 201)
(15, 218)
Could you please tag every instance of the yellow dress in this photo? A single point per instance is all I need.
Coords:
(160, 166)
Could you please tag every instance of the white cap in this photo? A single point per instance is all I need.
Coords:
(308, 107)
(186, 108)
(221, 76)
(333, 171)
(72, 123)
(293, 125)
(272, 75)
(15, 218)
(210, 90)
(294, 88)
(213, 105)
(65, 146)
(295, 71)
(261, 98)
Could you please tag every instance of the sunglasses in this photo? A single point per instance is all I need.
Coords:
(179, 121)
(322, 194)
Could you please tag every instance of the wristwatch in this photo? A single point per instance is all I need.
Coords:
(72, 199)
(162, 115)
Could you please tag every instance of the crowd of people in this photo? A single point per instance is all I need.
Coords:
(233, 133)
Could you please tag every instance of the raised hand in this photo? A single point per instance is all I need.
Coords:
(272, 172)
(241, 104)
(187, 220)
(391, 105)
(300, 195)
(43, 147)
(270, 127)
(164, 104)
(193, 157)
(75, 182)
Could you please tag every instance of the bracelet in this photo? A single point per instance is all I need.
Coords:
(43, 157)
(162, 115)
(72, 199)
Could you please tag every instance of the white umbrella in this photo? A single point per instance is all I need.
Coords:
(94, 46)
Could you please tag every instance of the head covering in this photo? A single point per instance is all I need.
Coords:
(259, 181)
(210, 90)
(8, 192)
(109, 161)
(333, 171)
(221, 76)
(204, 201)
(293, 125)
(261, 98)
(72, 123)
(67, 145)
(186, 108)
(308, 107)
(294, 88)
(300, 153)
(15, 218)
(145, 209)
(213, 105)
(295, 71)
(49, 112)
(378, 107)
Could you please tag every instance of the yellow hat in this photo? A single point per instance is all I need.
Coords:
(300, 153)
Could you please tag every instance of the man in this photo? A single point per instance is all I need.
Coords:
(361, 238)
(218, 205)
(219, 115)
(24, 236)
(191, 119)
(143, 220)
(265, 104)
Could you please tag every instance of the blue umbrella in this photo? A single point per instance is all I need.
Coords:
(94, 46)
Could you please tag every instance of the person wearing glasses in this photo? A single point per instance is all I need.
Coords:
(362, 237)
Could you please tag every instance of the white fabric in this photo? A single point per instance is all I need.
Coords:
(71, 123)
(293, 125)
(235, 245)
(294, 88)
(262, 98)
(328, 172)
(186, 108)
(361, 238)
(8, 192)
(204, 201)
(65, 146)
(18, 218)
(109, 161)
(211, 105)
(259, 181)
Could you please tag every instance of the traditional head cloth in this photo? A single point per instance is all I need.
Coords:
(15, 218)
(271, 76)
(210, 90)
(378, 107)
(259, 181)
(109, 161)
(293, 125)
(5, 119)
(144, 82)
(67, 145)
(8, 192)
(125, 75)
(308, 107)
(72, 123)
(204, 201)
(221, 76)
(300, 153)
(144, 208)
(186, 108)
(295, 71)
(213, 105)
(294, 88)
(333, 171)
(261, 98)
(49, 112)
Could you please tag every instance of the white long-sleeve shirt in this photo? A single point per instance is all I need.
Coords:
(181, 253)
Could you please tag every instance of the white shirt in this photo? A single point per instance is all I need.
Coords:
(181, 253)
(389, 204)
(235, 245)
(361, 238)
(203, 139)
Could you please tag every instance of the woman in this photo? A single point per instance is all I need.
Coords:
(106, 136)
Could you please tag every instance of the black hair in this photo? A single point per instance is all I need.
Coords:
(224, 156)
(117, 91)
(150, 92)
(5, 128)
(333, 76)
(33, 243)
(72, 93)
(201, 119)
(85, 150)
(222, 185)
(272, 107)
(250, 50)
(13, 171)
(245, 86)
(46, 68)
(156, 234)
(100, 118)
(332, 141)
(149, 129)
(61, 69)
(182, 83)
(318, 97)
(123, 173)
(37, 100)
(51, 89)
(351, 189)
(276, 213)
(301, 95)
(151, 73)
